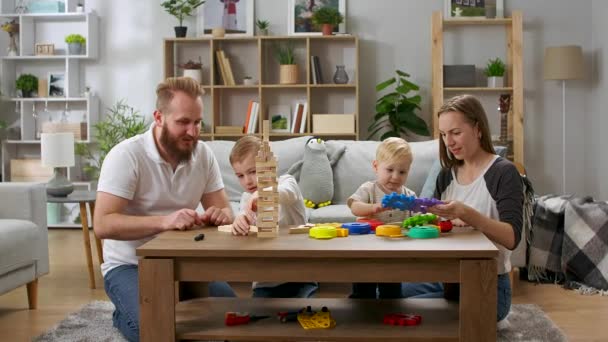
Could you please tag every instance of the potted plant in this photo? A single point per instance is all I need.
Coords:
(27, 83)
(495, 71)
(181, 9)
(75, 43)
(327, 18)
(288, 69)
(396, 111)
(121, 122)
(263, 26)
(193, 69)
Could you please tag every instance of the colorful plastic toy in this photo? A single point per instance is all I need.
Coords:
(389, 230)
(322, 232)
(372, 222)
(402, 319)
(412, 203)
(316, 320)
(357, 228)
(238, 318)
(445, 226)
(419, 220)
(423, 232)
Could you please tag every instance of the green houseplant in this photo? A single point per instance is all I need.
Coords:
(181, 9)
(27, 83)
(288, 72)
(495, 71)
(75, 43)
(396, 111)
(262, 26)
(121, 122)
(327, 18)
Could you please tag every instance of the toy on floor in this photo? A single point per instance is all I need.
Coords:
(239, 318)
(419, 220)
(402, 319)
(316, 320)
(315, 173)
(412, 203)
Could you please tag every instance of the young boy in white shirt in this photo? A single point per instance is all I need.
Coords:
(291, 212)
(392, 165)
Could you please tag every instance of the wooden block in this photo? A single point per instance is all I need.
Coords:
(79, 129)
(333, 123)
(44, 49)
(30, 170)
(228, 229)
(299, 230)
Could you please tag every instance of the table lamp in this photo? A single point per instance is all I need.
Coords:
(58, 152)
(563, 63)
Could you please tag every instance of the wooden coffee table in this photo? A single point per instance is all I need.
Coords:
(463, 256)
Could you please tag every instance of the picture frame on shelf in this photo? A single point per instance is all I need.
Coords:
(280, 118)
(464, 9)
(56, 84)
(236, 17)
(299, 16)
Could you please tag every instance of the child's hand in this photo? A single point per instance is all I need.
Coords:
(241, 224)
(252, 204)
(378, 208)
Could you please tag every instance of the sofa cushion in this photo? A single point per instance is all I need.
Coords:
(332, 213)
(355, 166)
(18, 238)
(287, 151)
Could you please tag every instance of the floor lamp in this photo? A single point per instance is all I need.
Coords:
(563, 63)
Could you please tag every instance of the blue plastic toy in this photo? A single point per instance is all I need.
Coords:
(412, 203)
(357, 228)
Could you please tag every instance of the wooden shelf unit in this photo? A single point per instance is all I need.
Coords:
(226, 105)
(513, 77)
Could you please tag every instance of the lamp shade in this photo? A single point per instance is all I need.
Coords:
(57, 149)
(563, 62)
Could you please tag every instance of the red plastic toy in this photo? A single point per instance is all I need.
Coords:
(372, 222)
(238, 318)
(402, 319)
(445, 226)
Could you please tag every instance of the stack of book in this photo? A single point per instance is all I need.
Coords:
(315, 70)
(251, 121)
(298, 124)
(224, 68)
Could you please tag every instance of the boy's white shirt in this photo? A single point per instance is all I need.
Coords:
(291, 209)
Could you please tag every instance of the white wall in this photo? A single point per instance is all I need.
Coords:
(396, 34)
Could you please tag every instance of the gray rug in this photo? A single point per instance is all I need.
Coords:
(527, 322)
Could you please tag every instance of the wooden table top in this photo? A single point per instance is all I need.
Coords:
(460, 243)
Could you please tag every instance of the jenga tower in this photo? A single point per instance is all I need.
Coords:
(268, 191)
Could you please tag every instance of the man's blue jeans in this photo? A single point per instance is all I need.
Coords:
(121, 284)
(286, 290)
(435, 290)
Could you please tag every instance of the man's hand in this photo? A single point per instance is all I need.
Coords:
(241, 224)
(215, 216)
(182, 219)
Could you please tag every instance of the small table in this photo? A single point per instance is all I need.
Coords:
(82, 197)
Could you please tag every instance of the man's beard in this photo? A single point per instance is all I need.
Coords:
(171, 145)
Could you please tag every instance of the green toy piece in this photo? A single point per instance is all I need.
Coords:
(315, 173)
(418, 220)
(423, 232)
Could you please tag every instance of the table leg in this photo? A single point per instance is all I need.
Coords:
(156, 300)
(87, 242)
(478, 289)
(97, 240)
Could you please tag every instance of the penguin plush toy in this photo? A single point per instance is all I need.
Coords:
(315, 173)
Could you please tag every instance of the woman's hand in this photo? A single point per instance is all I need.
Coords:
(451, 210)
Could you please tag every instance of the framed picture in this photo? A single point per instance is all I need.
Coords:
(280, 118)
(235, 16)
(56, 84)
(455, 9)
(299, 17)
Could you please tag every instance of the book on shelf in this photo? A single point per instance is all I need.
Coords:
(317, 69)
(220, 67)
(227, 68)
(297, 118)
(248, 117)
(252, 124)
(313, 71)
(304, 116)
(228, 129)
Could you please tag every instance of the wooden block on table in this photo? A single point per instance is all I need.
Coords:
(228, 229)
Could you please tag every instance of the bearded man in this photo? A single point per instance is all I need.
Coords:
(152, 183)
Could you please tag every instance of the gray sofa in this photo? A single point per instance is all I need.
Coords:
(24, 251)
(352, 170)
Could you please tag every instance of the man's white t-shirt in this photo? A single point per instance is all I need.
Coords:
(134, 170)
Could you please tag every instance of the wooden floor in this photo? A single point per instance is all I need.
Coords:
(65, 289)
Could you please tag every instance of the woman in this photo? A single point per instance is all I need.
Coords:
(481, 190)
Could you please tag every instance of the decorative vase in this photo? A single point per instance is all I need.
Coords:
(74, 48)
(194, 74)
(340, 77)
(288, 74)
(180, 31)
(12, 46)
(248, 81)
(327, 29)
(495, 82)
(263, 32)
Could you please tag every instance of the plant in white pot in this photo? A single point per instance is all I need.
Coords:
(75, 43)
(495, 72)
(288, 73)
(181, 9)
(193, 69)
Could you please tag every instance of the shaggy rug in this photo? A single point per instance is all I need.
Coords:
(93, 322)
